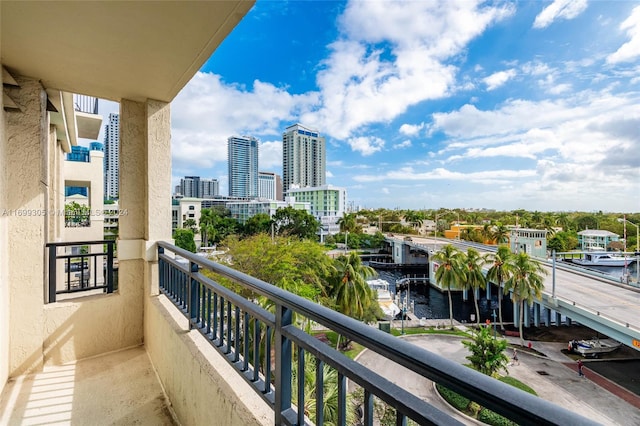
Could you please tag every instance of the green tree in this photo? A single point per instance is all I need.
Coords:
(526, 284)
(500, 234)
(499, 272)
(191, 224)
(76, 214)
(291, 222)
(487, 353)
(259, 223)
(450, 272)
(207, 226)
(300, 266)
(473, 278)
(330, 393)
(352, 295)
(348, 223)
(184, 239)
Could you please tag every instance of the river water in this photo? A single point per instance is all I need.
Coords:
(430, 303)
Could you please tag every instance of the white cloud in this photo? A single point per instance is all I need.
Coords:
(559, 9)
(387, 59)
(499, 78)
(207, 111)
(270, 156)
(631, 49)
(410, 174)
(411, 129)
(366, 145)
(329, 174)
(385, 191)
(405, 144)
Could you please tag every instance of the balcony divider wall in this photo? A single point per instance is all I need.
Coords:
(4, 243)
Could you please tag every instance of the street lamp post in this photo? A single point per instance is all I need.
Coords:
(494, 323)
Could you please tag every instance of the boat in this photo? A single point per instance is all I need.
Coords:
(593, 347)
(385, 299)
(603, 259)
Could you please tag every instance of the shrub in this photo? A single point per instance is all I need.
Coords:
(456, 400)
(494, 419)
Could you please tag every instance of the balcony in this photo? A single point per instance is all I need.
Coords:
(194, 333)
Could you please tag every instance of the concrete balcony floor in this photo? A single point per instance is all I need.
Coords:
(119, 388)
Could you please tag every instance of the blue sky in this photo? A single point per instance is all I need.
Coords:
(428, 104)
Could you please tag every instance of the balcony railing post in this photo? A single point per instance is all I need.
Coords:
(110, 267)
(192, 307)
(161, 269)
(52, 274)
(283, 364)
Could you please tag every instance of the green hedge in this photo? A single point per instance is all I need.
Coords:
(456, 400)
(494, 419)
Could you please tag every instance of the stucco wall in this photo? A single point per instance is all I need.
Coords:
(27, 132)
(201, 385)
(92, 325)
(4, 266)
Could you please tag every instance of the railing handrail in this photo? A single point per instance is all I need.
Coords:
(53, 256)
(79, 243)
(495, 395)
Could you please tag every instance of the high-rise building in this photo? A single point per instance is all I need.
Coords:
(303, 157)
(243, 166)
(194, 187)
(112, 157)
(270, 186)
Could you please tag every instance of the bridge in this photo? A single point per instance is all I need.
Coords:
(592, 299)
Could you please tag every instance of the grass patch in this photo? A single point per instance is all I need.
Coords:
(517, 384)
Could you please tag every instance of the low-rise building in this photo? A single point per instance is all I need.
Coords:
(596, 239)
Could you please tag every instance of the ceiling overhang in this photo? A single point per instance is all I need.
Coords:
(115, 49)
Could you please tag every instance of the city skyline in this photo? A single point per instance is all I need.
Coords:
(423, 104)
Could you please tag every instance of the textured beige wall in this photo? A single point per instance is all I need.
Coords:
(92, 325)
(26, 133)
(201, 385)
(4, 265)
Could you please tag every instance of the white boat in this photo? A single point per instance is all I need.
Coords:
(603, 259)
(594, 347)
(385, 299)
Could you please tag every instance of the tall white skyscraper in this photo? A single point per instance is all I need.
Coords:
(243, 166)
(112, 157)
(303, 157)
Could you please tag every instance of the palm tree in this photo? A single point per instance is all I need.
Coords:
(330, 393)
(207, 223)
(450, 271)
(499, 272)
(500, 234)
(487, 233)
(525, 284)
(352, 294)
(473, 277)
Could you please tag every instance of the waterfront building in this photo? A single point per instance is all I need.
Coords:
(112, 157)
(596, 239)
(303, 158)
(530, 241)
(242, 157)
